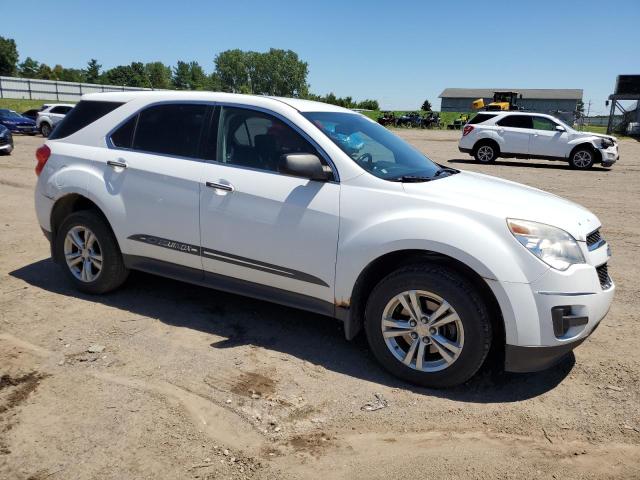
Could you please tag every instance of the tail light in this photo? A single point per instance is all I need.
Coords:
(42, 155)
(467, 130)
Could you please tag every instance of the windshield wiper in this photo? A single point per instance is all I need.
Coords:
(448, 170)
(411, 179)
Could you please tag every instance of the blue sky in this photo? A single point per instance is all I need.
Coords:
(398, 52)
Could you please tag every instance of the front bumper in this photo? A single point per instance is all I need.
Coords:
(26, 129)
(546, 319)
(609, 155)
(465, 150)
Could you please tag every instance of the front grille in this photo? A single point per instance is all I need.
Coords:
(594, 239)
(603, 276)
(4, 141)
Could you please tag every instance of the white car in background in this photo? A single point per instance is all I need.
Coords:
(50, 116)
(490, 135)
(317, 207)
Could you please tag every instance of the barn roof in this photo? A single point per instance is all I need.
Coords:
(532, 93)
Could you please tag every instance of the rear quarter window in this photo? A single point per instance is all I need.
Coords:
(82, 115)
(481, 117)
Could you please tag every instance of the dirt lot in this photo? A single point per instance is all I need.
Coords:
(194, 383)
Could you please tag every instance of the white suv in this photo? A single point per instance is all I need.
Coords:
(317, 207)
(50, 116)
(535, 135)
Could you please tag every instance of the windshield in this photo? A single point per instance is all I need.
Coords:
(9, 114)
(373, 147)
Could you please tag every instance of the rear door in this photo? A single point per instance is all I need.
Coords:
(259, 225)
(516, 131)
(546, 141)
(154, 170)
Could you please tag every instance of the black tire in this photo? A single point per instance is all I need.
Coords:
(582, 158)
(45, 129)
(486, 152)
(113, 272)
(465, 300)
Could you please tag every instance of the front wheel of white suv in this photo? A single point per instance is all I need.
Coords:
(88, 252)
(428, 325)
(582, 158)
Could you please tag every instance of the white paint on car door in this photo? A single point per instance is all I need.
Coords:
(262, 226)
(546, 141)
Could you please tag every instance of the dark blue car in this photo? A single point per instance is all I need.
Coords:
(6, 141)
(16, 123)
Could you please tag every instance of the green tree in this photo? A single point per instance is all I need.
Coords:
(426, 106)
(127, 75)
(198, 79)
(45, 72)
(28, 68)
(72, 75)
(8, 57)
(158, 74)
(278, 72)
(369, 105)
(232, 70)
(181, 76)
(92, 72)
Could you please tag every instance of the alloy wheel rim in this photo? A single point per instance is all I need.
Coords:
(485, 153)
(582, 158)
(83, 254)
(422, 330)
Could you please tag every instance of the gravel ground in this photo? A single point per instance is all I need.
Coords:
(195, 383)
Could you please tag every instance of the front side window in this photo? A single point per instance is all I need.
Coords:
(254, 139)
(543, 123)
(516, 121)
(170, 129)
(373, 147)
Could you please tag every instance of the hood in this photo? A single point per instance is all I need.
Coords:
(592, 134)
(18, 121)
(505, 199)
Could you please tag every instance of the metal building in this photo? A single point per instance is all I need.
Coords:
(543, 100)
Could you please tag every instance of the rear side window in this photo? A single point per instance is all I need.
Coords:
(61, 109)
(171, 129)
(85, 113)
(123, 136)
(481, 117)
(516, 121)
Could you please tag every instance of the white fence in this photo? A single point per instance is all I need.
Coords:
(32, 89)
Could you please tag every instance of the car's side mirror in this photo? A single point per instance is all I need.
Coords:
(560, 128)
(304, 165)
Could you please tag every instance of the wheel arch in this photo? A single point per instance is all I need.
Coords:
(590, 146)
(65, 206)
(353, 313)
(487, 140)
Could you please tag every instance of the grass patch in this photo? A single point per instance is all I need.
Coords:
(446, 118)
(22, 105)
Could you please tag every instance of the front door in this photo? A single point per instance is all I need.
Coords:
(546, 141)
(261, 226)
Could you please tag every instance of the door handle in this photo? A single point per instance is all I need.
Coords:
(220, 186)
(113, 163)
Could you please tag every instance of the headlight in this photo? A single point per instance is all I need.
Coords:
(552, 245)
(606, 143)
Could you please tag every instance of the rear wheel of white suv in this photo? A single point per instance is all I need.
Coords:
(486, 152)
(45, 129)
(428, 325)
(88, 252)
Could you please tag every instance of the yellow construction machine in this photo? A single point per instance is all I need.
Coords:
(501, 101)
